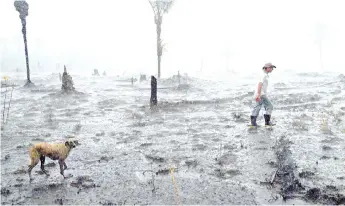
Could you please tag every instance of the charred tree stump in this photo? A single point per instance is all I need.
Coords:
(153, 100)
(67, 82)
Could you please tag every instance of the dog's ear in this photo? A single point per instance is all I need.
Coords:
(67, 144)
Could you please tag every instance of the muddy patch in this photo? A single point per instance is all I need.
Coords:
(155, 159)
(226, 159)
(285, 175)
(191, 163)
(105, 159)
(233, 172)
(165, 171)
(306, 174)
(324, 157)
(329, 196)
(290, 184)
(273, 164)
(326, 148)
(43, 188)
(18, 185)
(100, 134)
(58, 201)
(83, 182)
(146, 144)
(5, 192)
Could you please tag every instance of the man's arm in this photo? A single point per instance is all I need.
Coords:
(259, 88)
(258, 96)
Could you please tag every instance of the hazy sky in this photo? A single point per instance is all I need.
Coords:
(212, 35)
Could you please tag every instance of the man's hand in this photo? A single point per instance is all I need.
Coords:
(258, 98)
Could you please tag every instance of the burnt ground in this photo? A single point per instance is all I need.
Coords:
(290, 183)
(195, 148)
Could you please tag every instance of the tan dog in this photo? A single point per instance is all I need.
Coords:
(55, 151)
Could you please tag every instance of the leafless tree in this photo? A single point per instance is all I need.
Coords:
(160, 7)
(23, 8)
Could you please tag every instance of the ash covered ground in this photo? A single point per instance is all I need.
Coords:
(128, 151)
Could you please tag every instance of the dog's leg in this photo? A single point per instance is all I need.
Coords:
(34, 162)
(43, 158)
(61, 163)
(65, 166)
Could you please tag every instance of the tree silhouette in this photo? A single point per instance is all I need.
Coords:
(160, 7)
(23, 8)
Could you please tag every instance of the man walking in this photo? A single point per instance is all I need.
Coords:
(261, 97)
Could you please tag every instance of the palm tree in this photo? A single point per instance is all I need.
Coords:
(160, 7)
(23, 8)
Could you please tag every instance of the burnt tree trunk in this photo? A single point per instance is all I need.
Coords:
(153, 100)
(26, 51)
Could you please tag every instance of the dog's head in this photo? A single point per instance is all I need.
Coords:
(72, 143)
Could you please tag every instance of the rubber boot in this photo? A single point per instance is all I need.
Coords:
(268, 120)
(253, 120)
